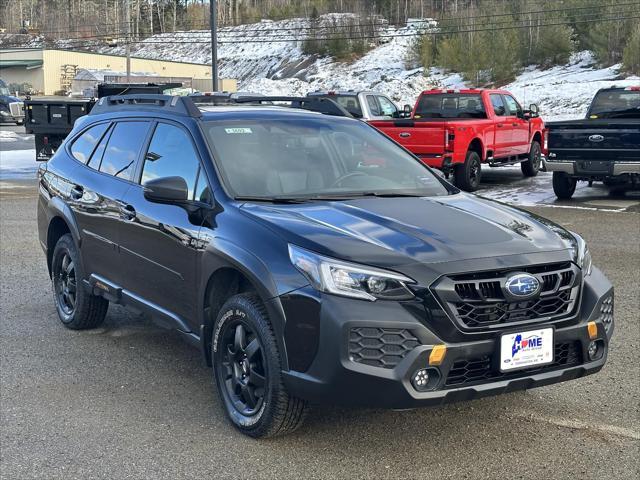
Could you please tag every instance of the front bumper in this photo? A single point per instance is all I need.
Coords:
(336, 377)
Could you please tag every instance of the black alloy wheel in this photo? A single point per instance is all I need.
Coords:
(242, 367)
(65, 285)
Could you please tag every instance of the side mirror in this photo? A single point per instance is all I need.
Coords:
(533, 109)
(166, 190)
(407, 109)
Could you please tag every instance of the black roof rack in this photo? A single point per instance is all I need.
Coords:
(322, 105)
(150, 102)
(187, 105)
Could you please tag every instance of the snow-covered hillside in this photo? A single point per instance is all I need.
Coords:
(282, 68)
(250, 54)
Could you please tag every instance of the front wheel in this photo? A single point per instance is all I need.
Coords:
(531, 166)
(247, 371)
(563, 185)
(467, 176)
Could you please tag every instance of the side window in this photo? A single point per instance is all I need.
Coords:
(83, 146)
(373, 106)
(498, 105)
(96, 157)
(123, 148)
(171, 154)
(387, 106)
(514, 107)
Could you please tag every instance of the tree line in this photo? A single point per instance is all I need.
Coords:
(487, 40)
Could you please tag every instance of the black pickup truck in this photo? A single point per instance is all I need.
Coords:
(51, 119)
(605, 146)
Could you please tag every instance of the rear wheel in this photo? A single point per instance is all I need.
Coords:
(247, 370)
(531, 167)
(563, 185)
(467, 176)
(77, 308)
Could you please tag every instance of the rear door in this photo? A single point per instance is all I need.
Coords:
(100, 184)
(503, 138)
(159, 242)
(519, 126)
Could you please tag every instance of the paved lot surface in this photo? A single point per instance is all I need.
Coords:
(131, 400)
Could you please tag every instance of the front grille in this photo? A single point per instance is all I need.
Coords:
(481, 369)
(477, 301)
(16, 109)
(380, 347)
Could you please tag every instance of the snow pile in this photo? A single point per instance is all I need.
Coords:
(18, 164)
(565, 91)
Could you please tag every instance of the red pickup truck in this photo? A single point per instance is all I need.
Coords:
(459, 130)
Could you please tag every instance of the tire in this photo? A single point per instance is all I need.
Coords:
(531, 167)
(247, 371)
(77, 308)
(563, 185)
(468, 175)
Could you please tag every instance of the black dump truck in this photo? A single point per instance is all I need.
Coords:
(51, 119)
(603, 147)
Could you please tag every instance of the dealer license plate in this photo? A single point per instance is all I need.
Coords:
(526, 349)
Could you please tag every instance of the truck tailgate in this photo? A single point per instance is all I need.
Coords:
(606, 139)
(423, 138)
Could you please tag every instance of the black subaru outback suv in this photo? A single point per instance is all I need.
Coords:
(312, 259)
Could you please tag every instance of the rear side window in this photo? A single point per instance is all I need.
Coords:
(171, 154)
(450, 105)
(96, 158)
(84, 145)
(514, 107)
(373, 105)
(123, 149)
(499, 107)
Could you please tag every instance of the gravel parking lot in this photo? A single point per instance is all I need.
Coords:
(131, 400)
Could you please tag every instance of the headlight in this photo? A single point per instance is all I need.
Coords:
(582, 255)
(349, 279)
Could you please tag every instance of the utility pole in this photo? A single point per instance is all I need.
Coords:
(213, 13)
(128, 46)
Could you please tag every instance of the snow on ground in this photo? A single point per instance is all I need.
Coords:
(17, 163)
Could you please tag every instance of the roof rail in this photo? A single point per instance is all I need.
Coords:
(150, 102)
(322, 105)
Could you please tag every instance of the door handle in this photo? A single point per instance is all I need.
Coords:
(514, 124)
(500, 125)
(76, 192)
(127, 212)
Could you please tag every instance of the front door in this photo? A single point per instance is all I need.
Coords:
(159, 242)
(519, 125)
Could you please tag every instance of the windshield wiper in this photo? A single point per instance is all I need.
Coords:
(390, 194)
(280, 200)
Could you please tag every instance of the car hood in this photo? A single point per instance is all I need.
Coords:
(391, 232)
(9, 99)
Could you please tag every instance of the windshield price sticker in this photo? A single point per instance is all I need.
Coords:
(238, 130)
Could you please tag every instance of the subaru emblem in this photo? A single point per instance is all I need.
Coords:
(522, 285)
(596, 138)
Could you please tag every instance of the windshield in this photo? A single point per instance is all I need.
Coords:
(305, 158)
(616, 103)
(450, 105)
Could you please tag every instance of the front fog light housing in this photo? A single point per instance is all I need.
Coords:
(350, 279)
(425, 379)
(595, 350)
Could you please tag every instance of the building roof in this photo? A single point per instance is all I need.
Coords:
(20, 63)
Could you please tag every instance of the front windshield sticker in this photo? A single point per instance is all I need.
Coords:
(237, 130)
